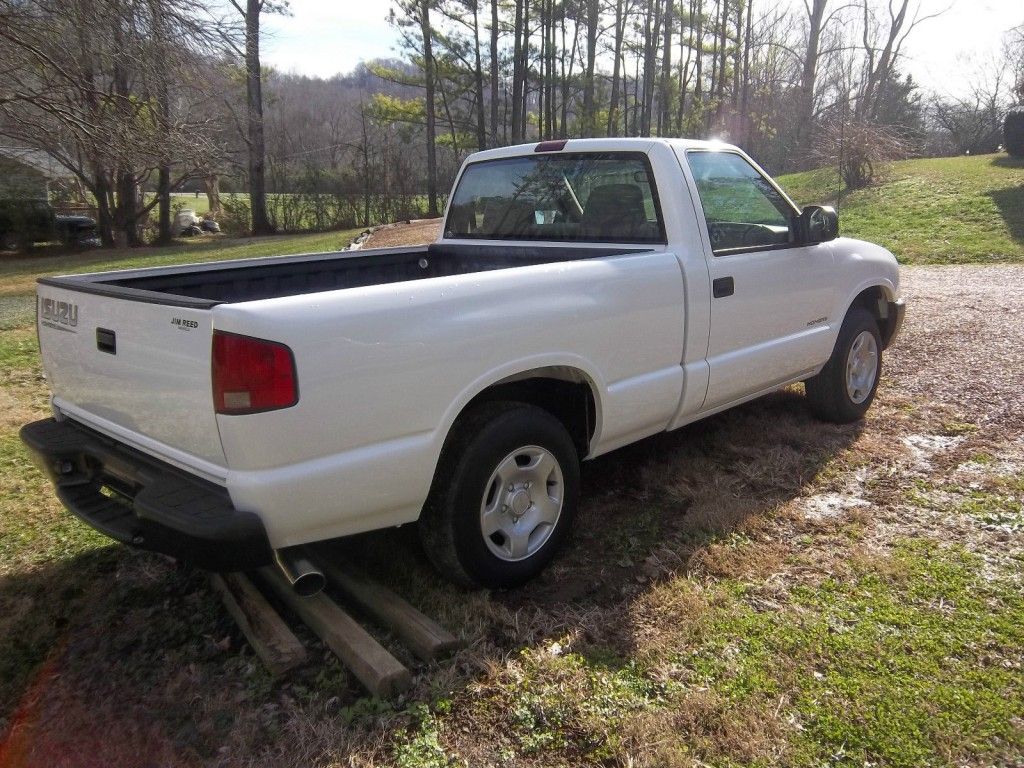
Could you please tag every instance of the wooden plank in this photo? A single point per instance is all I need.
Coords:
(379, 672)
(421, 634)
(271, 639)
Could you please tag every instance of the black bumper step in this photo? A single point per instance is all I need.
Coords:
(138, 500)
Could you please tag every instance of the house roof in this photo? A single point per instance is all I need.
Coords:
(39, 161)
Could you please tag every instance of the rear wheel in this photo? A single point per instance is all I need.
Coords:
(504, 496)
(846, 386)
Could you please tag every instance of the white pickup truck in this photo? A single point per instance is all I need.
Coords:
(584, 294)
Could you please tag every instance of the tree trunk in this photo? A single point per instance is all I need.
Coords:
(698, 75)
(684, 69)
(589, 127)
(745, 89)
(666, 74)
(552, 72)
(525, 53)
(128, 207)
(808, 74)
(517, 73)
(723, 23)
(620, 26)
(542, 91)
(163, 191)
(737, 68)
(211, 183)
(254, 99)
(567, 75)
(163, 187)
(481, 127)
(494, 73)
(428, 73)
(652, 32)
(104, 217)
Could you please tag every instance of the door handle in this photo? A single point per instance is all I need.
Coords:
(722, 286)
(106, 341)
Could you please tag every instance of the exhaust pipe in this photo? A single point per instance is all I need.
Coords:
(304, 577)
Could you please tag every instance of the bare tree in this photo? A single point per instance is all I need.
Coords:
(1013, 47)
(251, 14)
(90, 84)
(883, 40)
(974, 122)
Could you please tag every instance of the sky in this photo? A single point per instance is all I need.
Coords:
(327, 37)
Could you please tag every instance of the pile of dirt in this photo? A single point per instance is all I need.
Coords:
(414, 232)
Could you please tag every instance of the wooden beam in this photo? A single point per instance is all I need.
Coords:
(276, 645)
(379, 672)
(423, 636)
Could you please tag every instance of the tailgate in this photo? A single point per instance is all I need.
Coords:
(136, 369)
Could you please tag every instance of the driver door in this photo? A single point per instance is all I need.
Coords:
(771, 296)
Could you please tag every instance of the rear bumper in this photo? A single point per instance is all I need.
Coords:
(897, 310)
(146, 503)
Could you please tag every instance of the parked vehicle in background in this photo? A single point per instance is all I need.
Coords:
(27, 221)
(583, 295)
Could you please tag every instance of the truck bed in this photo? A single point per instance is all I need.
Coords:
(205, 285)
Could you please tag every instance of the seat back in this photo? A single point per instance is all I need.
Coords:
(613, 210)
(515, 217)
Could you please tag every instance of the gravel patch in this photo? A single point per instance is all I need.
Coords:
(962, 345)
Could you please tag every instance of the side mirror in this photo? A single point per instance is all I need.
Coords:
(817, 224)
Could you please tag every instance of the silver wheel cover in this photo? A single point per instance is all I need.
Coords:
(522, 503)
(861, 367)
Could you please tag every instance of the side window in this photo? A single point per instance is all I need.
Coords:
(741, 208)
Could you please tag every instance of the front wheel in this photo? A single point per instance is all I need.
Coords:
(504, 496)
(844, 389)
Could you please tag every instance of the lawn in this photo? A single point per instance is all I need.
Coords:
(757, 589)
(949, 210)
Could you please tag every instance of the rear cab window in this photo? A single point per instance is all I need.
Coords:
(564, 197)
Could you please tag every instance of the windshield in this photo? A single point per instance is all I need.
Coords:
(595, 197)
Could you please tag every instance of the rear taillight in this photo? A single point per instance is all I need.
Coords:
(252, 375)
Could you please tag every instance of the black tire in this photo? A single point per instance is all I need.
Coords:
(450, 526)
(827, 393)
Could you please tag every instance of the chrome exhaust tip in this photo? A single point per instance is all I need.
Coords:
(304, 577)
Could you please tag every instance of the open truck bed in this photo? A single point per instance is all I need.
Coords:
(204, 285)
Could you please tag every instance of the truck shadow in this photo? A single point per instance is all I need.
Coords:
(647, 511)
(1010, 202)
(135, 640)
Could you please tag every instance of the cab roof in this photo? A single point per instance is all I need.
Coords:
(557, 146)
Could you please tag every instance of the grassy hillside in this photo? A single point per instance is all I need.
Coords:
(934, 211)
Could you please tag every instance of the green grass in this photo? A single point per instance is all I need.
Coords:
(950, 210)
(913, 659)
(910, 659)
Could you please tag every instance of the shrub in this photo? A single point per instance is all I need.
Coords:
(1013, 131)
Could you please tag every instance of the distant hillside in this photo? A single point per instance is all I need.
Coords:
(950, 210)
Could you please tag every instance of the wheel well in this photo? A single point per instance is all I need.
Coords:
(564, 393)
(876, 301)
